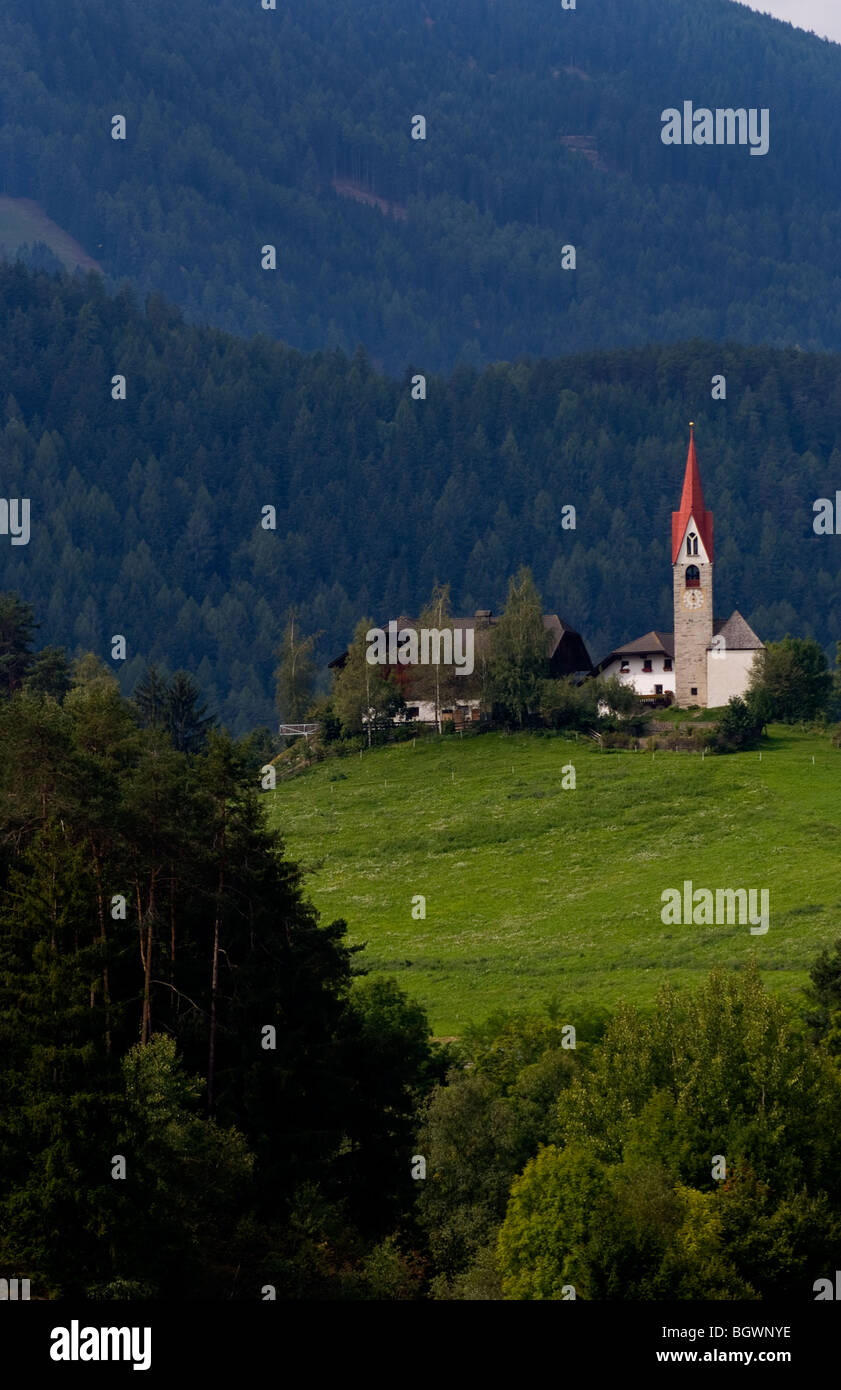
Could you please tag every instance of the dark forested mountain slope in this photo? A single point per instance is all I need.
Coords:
(543, 130)
(146, 513)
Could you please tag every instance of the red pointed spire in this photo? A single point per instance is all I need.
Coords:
(692, 505)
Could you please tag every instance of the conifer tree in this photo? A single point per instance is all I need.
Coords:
(37, 767)
(161, 827)
(56, 1081)
(185, 716)
(49, 673)
(17, 627)
(150, 699)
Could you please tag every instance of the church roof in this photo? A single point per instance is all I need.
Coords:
(692, 505)
(738, 636)
(652, 644)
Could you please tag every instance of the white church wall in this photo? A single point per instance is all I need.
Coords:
(728, 673)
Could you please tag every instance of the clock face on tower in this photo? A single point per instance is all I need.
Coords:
(693, 598)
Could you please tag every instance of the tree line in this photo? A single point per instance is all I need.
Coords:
(148, 513)
(193, 1094)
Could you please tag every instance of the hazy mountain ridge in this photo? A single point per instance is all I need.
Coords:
(239, 120)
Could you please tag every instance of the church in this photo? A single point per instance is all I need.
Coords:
(706, 660)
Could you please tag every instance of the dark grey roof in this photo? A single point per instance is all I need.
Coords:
(738, 636)
(652, 644)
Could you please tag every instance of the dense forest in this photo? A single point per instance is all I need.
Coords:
(147, 514)
(151, 933)
(203, 1096)
(248, 127)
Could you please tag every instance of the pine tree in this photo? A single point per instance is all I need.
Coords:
(17, 627)
(161, 827)
(150, 698)
(37, 769)
(184, 715)
(49, 673)
(58, 1205)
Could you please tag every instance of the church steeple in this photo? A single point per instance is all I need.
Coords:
(692, 505)
(692, 568)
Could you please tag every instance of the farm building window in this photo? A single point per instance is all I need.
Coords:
(667, 664)
(624, 668)
(658, 690)
(646, 665)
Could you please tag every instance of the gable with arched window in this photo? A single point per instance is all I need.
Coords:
(692, 543)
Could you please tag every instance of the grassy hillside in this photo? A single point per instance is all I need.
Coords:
(534, 892)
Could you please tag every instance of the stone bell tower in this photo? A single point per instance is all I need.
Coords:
(692, 566)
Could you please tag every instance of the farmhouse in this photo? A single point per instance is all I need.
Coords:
(706, 660)
(462, 695)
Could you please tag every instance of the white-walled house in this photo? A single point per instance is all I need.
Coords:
(647, 664)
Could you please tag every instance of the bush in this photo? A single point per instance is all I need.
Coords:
(331, 724)
(792, 679)
(621, 700)
(618, 739)
(565, 705)
(405, 732)
(739, 727)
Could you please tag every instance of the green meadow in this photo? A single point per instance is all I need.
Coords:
(534, 893)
